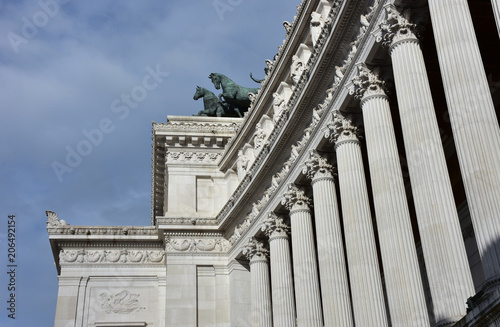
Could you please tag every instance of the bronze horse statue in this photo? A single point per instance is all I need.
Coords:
(213, 106)
(232, 93)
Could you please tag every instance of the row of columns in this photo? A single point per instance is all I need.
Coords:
(333, 299)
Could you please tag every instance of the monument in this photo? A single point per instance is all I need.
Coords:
(357, 186)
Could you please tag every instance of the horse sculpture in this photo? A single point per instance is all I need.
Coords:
(232, 93)
(213, 106)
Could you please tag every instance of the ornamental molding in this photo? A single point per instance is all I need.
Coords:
(193, 127)
(122, 302)
(195, 244)
(192, 157)
(317, 167)
(64, 229)
(123, 256)
(254, 250)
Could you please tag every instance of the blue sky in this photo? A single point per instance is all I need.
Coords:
(66, 70)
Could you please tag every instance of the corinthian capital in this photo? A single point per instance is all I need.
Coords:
(367, 83)
(342, 129)
(255, 251)
(295, 199)
(274, 226)
(397, 27)
(317, 167)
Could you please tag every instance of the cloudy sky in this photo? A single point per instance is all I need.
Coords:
(89, 77)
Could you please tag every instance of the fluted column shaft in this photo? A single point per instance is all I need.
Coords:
(261, 294)
(332, 265)
(283, 299)
(259, 279)
(307, 291)
(496, 11)
(405, 291)
(366, 284)
(473, 121)
(441, 236)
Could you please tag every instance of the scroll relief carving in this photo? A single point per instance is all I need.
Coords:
(111, 256)
(216, 245)
(191, 157)
(123, 302)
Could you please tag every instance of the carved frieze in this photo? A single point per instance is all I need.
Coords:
(193, 157)
(123, 256)
(195, 244)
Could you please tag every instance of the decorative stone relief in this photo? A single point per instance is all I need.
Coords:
(123, 302)
(259, 137)
(111, 256)
(317, 23)
(278, 106)
(342, 129)
(367, 83)
(295, 199)
(53, 220)
(317, 167)
(274, 226)
(193, 157)
(242, 164)
(192, 244)
(196, 127)
(296, 69)
(255, 250)
(397, 27)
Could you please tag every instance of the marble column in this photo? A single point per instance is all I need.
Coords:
(366, 284)
(305, 269)
(332, 265)
(496, 11)
(441, 236)
(283, 299)
(474, 123)
(403, 282)
(259, 279)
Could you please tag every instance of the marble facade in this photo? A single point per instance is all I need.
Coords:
(361, 188)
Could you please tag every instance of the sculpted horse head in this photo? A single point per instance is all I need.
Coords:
(199, 93)
(216, 80)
